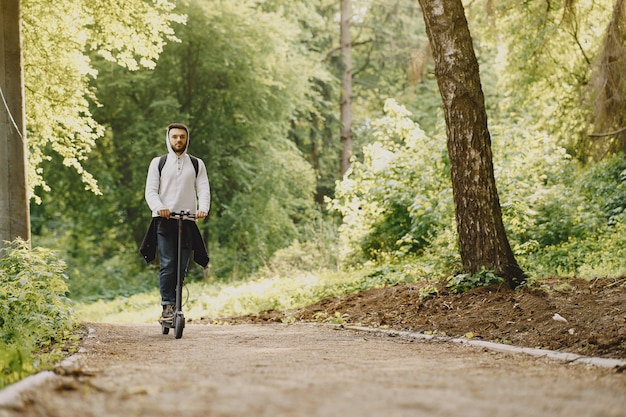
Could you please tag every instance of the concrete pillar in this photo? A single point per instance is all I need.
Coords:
(14, 204)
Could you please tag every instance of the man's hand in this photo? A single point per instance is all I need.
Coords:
(201, 214)
(164, 213)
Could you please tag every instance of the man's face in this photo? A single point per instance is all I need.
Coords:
(178, 140)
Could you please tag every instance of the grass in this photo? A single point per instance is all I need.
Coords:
(279, 292)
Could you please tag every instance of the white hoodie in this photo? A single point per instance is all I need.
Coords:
(177, 188)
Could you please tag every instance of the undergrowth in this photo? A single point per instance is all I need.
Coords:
(35, 314)
(463, 282)
(268, 290)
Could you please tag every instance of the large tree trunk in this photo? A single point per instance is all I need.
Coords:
(482, 237)
(346, 87)
(608, 89)
(14, 210)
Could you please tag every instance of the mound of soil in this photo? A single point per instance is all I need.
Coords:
(563, 314)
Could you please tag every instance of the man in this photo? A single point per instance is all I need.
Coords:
(176, 182)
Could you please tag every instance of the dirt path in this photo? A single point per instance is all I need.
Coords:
(311, 370)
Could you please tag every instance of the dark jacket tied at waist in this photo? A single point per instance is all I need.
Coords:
(149, 245)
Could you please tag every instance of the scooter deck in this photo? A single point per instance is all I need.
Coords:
(167, 322)
(177, 323)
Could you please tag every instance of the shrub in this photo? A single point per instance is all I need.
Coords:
(600, 254)
(605, 185)
(398, 197)
(34, 309)
(463, 282)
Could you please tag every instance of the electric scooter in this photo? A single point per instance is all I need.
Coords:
(177, 322)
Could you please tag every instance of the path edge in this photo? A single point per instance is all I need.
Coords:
(10, 396)
(497, 347)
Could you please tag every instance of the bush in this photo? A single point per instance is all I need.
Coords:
(464, 282)
(601, 254)
(397, 199)
(122, 275)
(34, 310)
(577, 226)
(605, 185)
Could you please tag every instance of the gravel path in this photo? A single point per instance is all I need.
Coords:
(310, 370)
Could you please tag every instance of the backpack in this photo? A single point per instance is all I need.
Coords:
(194, 161)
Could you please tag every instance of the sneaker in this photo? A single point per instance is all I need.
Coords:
(168, 311)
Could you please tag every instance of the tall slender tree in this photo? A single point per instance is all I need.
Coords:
(346, 86)
(608, 88)
(14, 212)
(482, 237)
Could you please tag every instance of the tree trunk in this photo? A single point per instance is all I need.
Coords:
(482, 238)
(608, 90)
(14, 209)
(346, 87)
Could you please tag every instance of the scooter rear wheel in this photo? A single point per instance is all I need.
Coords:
(179, 324)
(165, 329)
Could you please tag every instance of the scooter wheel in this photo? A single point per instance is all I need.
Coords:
(179, 325)
(165, 329)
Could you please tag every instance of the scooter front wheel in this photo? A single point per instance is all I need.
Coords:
(179, 325)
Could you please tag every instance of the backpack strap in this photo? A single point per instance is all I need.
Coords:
(194, 162)
(161, 163)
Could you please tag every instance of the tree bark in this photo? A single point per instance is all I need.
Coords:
(14, 209)
(608, 89)
(482, 237)
(346, 87)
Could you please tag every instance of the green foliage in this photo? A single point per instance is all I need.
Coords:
(268, 289)
(600, 254)
(462, 282)
(545, 61)
(534, 175)
(57, 38)
(318, 252)
(95, 241)
(251, 78)
(257, 82)
(34, 310)
(270, 216)
(427, 292)
(397, 199)
(390, 54)
(605, 185)
(575, 226)
(561, 217)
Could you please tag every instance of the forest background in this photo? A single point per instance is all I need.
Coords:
(259, 84)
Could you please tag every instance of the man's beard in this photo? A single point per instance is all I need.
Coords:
(178, 148)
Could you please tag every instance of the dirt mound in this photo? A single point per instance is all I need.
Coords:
(564, 314)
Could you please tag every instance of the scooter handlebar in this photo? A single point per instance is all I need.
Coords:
(185, 215)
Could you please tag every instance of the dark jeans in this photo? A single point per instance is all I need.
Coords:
(167, 244)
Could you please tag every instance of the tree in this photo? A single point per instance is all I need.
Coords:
(346, 86)
(14, 213)
(59, 38)
(238, 78)
(608, 87)
(482, 237)
(545, 57)
(388, 53)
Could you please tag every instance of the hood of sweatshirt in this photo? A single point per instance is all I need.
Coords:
(167, 137)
